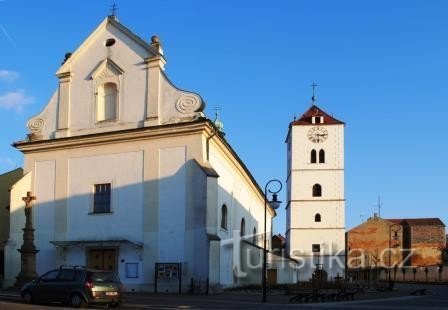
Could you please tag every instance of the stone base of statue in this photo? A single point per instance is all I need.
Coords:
(28, 271)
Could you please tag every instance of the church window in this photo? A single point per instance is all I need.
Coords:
(224, 217)
(313, 156)
(321, 156)
(106, 106)
(254, 236)
(317, 217)
(101, 198)
(317, 190)
(243, 227)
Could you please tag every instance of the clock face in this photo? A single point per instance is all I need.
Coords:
(317, 134)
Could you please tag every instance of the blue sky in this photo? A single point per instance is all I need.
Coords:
(381, 67)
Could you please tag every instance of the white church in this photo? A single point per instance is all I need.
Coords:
(131, 176)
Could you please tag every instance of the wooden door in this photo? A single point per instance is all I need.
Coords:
(272, 276)
(103, 259)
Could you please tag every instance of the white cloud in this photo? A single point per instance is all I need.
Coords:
(15, 100)
(8, 76)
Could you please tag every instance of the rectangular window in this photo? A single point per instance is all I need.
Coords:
(315, 248)
(101, 198)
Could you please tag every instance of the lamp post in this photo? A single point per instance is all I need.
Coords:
(395, 228)
(274, 204)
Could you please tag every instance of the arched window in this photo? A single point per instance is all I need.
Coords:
(317, 190)
(321, 156)
(317, 217)
(254, 236)
(224, 217)
(243, 227)
(313, 156)
(106, 106)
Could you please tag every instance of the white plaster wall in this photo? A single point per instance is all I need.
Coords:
(17, 223)
(242, 201)
(44, 215)
(332, 214)
(302, 146)
(331, 181)
(125, 53)
(125, 172)
(331, 241)
(172, 204)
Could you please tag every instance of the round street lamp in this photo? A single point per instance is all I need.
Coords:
(274, 204)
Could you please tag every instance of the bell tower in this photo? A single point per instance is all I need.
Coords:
(315, 220)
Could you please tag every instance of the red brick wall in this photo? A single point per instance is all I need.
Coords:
(427, 241)
(368, 244)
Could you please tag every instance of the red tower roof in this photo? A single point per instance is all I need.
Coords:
(305, 119)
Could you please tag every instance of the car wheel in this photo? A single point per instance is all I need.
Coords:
(77, 301)
(27, 297)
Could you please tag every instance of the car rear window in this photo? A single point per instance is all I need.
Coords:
(103, 277)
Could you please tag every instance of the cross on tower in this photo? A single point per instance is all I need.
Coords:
(113, 9)
(217, 110)
(314, 86)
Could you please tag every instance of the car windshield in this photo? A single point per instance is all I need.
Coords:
(103, 277)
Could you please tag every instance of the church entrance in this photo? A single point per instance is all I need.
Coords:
(102, 258)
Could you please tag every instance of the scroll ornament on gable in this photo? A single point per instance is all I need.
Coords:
(35, 127)
(190, 106)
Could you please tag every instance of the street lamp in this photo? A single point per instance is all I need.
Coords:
(395, 228)
(274, 204)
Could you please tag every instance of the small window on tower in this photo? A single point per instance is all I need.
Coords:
(317, 120)
(313, 156)
(321, 156)
(317, 217)
(317, 190)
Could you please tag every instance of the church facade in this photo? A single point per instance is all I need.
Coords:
(315, 214)
(129, 173)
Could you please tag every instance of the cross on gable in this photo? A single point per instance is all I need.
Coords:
(28, 199)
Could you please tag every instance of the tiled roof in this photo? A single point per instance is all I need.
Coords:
(305, 119)
(418, 221)
(395, 221)
(423, 221)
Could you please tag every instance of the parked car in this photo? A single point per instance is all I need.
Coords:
(74, 286)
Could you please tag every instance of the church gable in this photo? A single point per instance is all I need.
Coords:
(114, 81)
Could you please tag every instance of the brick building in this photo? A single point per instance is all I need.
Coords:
(422, 239)
(426, 236)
